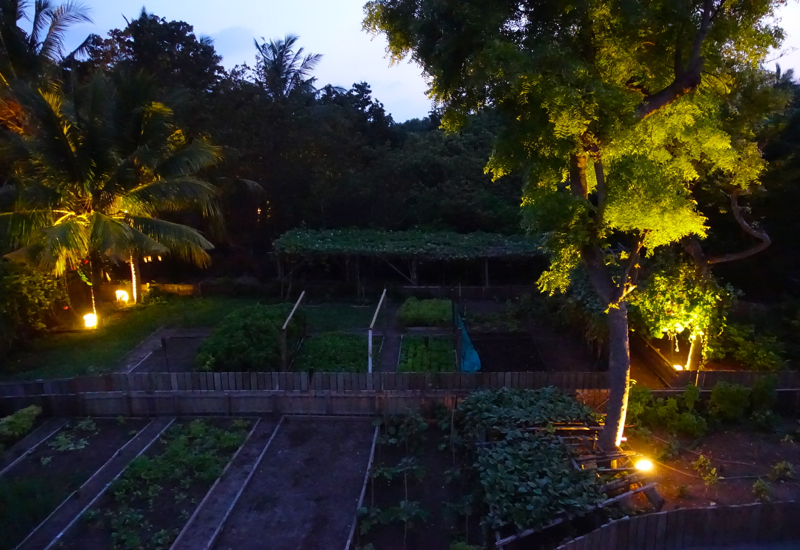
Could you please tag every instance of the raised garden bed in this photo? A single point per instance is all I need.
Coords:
(336, 352)
(304, 494)
(426, 354)
(425, 313)
(35, 487)
(146, 507)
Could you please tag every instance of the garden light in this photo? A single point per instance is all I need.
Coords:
(678, 367)
(122, 296)
(90, 320)
(644, 465)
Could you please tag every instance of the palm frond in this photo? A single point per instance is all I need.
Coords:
(61, 18)
(20, 227)
(171, 195)
(189, 159)
(63, 246)
(42, 11)
(250, 186)
(117, 240)
(182, 241)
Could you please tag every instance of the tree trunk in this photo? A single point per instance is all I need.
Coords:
(695, 354)
(619, 367)
(134, 278)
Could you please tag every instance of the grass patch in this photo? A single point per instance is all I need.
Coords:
(426, 354)
(336, 352)
(97, 351)
(331, 317)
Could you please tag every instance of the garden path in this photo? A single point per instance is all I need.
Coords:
(392, 334)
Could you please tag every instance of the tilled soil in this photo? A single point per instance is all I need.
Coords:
(304, 495)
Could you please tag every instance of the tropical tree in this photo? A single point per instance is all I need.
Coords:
(618, 111)
(34, 54)
(92, 171)
(281, 70)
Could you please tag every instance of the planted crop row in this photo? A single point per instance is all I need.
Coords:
(426, 354)
(148, 505)
(335, 352)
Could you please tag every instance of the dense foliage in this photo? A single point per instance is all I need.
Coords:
(441, 245)
(249, 339)
(335, 352)
(28, 299)
(425, 313)
(426, 354)
(18, 424)
(752, 350)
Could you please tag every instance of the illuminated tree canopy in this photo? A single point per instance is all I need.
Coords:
(617, 111)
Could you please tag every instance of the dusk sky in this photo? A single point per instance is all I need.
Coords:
(329, 27)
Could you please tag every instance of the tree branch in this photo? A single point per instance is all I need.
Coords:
(688, 77)
(577, 176)
(760, 235)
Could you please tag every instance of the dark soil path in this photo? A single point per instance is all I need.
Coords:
(208, 519)
(304, 495)
(56, 474)
(390, 352)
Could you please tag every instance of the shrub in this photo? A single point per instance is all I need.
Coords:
(249, 339)
(28, 298)
(763, 396)
(755, 351)
(762, 491)
(675, 414)
(729, 401)
(19, 423)
(425, 313)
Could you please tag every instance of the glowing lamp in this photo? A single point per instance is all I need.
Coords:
(90, 320)
(644, 465)
(677, 367)
(122, 296)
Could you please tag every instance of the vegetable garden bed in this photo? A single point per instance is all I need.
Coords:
(426, 354)
(505, 464)
(336, 352)
(148, 504)
(33, 488)
(507, 352)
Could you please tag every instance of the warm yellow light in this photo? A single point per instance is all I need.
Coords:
(122, 296)
(644, 465)
(678, 367)
(90, 320)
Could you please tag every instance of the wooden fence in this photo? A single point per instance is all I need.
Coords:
(306, 382)
(697, 528)
(237, 403)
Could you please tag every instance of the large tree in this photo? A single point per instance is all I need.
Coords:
(94, 170)
(618, 112)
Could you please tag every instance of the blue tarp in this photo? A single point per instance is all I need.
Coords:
(470, 362)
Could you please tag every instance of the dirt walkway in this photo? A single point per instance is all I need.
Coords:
(305, 493)
(209, 518)
(391, 341)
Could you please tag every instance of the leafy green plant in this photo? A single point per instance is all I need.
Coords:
(676, 414)
(425, 313)
(782, 471)
(426, 354)
(408, 430)
(528, 480)
(744, 344)
(762, 490)
(18, 424)
(66, 441)
(333, 352)
(729, 401)
(249, 339)
(409, 512)
(707, 472)
(191, 453)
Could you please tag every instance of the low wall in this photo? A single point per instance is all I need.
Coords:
(697, 528)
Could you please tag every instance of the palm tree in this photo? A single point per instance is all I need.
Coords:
(93, 170)
(31, 55)
(281, 70)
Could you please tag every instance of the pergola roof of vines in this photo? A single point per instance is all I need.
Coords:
(429, 245)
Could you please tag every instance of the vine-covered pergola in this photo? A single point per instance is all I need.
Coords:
(393, 246)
